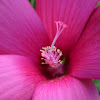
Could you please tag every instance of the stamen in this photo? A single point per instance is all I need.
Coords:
(51, 55)
(52, 60)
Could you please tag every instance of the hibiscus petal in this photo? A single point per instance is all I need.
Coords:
(21, 31)
(74, 13)
(18, 78)
(85, 58)
(67, 88)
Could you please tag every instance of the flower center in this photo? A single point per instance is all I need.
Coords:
(51, 55)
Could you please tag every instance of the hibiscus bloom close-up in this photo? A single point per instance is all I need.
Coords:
(51, 52)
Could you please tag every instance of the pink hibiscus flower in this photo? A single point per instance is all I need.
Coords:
(27, 36)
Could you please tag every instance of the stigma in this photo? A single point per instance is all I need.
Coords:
(50, 54)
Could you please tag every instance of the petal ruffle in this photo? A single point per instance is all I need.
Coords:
(18, 78)
(21, 31)
(67, 88)
(85, 58)
(74, 13)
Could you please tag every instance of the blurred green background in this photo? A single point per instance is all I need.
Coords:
(98, 3)
(33, 2)
(96, 81)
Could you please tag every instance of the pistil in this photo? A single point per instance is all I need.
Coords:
(51, 55)
(60, 27)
